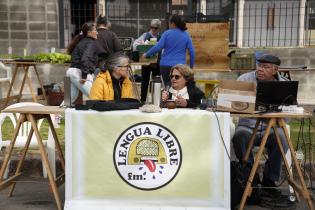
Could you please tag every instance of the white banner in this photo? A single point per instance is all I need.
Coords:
(133, 160)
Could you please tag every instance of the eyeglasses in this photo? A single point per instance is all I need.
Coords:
(156, 28)
(264, 66)
(177, 77)
(126, 66)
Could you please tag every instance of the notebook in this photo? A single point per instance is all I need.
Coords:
(271, 94)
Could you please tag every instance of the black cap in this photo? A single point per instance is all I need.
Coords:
(267, 58)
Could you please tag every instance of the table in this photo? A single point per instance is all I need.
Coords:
(274, 120)
(32, 114)
(24, 66)
(109, 167)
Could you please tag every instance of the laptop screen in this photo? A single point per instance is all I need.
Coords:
(275, 93)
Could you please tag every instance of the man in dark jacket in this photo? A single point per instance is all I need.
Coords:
(267, 69)
(107, 41)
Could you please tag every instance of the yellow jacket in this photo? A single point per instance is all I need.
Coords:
(102, 88)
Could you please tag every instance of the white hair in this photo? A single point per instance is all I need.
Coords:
(156, 22)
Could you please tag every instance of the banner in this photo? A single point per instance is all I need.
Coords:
(133, 160)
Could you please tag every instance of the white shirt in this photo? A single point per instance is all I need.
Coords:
(182, 92)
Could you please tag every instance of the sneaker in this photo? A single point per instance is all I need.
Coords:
(270, 187)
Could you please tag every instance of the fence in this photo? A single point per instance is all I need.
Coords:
(277, 23)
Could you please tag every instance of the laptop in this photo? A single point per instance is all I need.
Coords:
(271, 94)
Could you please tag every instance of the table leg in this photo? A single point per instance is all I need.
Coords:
(58, 147)
(30, 87)
(52, 182)
(251, 142)
(305, 192)
(290, 176)
(23, 82)
(248, 187)
(10, 148)
(11, 85)
(21, 161)
(40, 83)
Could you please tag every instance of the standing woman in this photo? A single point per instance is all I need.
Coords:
(153, 68)
(84, 60)
(174, 43)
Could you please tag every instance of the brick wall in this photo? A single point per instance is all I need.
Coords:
(30, 24)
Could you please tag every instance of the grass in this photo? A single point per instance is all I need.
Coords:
(302, 136)
(8, 129)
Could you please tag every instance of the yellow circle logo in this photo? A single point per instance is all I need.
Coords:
(147, 156)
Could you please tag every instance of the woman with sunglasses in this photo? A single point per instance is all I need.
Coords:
(154, 32)
(174, 43)
(183, 87)
(113, 82)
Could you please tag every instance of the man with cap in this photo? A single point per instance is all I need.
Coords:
(154, 32)
(267, 69)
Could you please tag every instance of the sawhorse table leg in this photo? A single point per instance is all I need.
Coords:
(273, 122)
(53, 183)
(18, 97)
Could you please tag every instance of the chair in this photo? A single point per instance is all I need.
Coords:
(23, 133)
(8, 72)
(255, 149)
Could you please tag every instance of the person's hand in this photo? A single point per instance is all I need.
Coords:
(82, 81)
(180, 101)
(164, 95)
(144, 56)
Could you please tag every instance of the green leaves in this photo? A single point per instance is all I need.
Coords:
(58, 58)
(50, 57)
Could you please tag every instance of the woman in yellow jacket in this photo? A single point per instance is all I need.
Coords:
(113, 82)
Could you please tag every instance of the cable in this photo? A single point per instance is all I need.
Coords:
(222, 139)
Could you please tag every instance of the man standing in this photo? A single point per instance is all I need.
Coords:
(267, 69)
(107, 41)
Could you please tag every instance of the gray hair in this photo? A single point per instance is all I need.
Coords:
(156, 22)
(113, 61)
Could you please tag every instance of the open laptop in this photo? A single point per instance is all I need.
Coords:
(271, 94)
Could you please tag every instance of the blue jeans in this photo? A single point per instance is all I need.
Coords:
(273, 164)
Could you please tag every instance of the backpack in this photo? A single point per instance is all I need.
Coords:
(239, 176)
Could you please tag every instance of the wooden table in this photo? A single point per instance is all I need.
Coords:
(26, 66)
(275, 121)
(33, 114)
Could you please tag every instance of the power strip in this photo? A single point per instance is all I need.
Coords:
(292, 109)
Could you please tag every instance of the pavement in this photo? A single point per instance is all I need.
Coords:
(32, 190)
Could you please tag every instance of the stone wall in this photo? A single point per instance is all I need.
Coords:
(28, 24)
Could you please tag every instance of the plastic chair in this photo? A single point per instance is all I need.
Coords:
(8, 72)
(23, 134)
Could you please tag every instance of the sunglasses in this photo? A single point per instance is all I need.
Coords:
(156, 28)
(177, 77)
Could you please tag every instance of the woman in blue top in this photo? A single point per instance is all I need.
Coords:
(174, 43)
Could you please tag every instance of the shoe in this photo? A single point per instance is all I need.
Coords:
(270, 187)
